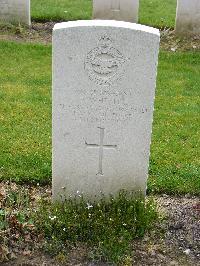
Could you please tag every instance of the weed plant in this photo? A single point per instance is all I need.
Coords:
(14, 207)
(107, 227)
(16, 227)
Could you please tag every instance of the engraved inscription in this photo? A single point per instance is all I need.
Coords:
(106, 106)
(115, 5)
(101, 146)
(104, 64)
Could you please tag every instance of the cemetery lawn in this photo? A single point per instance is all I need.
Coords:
(25, 112)
(25, 119)
(155, 12)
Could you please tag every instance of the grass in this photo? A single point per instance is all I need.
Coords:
(25, 118)
(59, 10)
(155, 12)
(175, 151)
(158, 13)
(25, 112)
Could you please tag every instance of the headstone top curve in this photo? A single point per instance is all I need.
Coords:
(106, 23)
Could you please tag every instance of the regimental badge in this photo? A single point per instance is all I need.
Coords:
(104, 64)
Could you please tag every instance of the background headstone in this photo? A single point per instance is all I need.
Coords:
(104, 78)
(15, 11)
(188, 17)
(124, 10)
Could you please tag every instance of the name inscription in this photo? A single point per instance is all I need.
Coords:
(104, 106)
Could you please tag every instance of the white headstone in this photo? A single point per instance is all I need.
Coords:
(104, 78)
(124, 10)
(15, 11)
(188, 17)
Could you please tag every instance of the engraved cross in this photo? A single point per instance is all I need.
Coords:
(115, 5)
(101, 147)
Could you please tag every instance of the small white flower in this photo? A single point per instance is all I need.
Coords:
(77, 191)
(89, 206)
(124, 224)
(52, 218)
(173, 49)
(64, 229)
(187, 251)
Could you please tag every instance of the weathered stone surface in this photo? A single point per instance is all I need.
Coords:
(188, 17)
(104, 77)
(124, 10)
(15, 11)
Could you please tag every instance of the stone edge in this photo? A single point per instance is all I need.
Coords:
(106, 23)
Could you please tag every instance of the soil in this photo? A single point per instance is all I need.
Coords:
(42, 33)
(174, 240)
